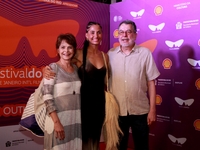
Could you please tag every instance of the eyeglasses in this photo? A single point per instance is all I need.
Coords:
(128, 32)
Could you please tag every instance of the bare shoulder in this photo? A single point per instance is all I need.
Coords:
(78, 58)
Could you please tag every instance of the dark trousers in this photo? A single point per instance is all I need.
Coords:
(140, 131)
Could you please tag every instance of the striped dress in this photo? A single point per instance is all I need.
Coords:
(62, 94)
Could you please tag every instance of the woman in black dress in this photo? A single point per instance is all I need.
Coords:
(92, 73)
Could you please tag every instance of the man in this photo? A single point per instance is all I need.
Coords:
(133, 74)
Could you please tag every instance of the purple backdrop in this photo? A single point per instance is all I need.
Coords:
(171, 30)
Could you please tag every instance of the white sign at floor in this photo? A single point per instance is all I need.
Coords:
(17, 138)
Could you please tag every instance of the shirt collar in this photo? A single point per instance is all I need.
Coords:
(134, 49)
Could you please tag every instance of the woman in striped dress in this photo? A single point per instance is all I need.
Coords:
(62, 98)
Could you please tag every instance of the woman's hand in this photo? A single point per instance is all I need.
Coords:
(48, 73)
(59, 130)
(58, 127)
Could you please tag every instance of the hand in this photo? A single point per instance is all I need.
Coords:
(48, 73)
(59, 131)
(151, 117)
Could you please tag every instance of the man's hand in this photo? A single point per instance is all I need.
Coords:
(151, 117)
(48, 73)
(152, 97)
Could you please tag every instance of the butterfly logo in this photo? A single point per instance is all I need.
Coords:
(187, 102)
(193, 62)
(139, 13)
(174, 44)
(177, 140)
(158, 27)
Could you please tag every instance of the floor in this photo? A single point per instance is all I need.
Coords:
(102, 146)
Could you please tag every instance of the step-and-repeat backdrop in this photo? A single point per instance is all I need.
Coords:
(171, 31)
(28, 32)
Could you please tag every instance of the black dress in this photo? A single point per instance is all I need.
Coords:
(92, 104)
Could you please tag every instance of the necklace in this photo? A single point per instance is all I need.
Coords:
(73, 85)
(70, 75)
(70, 72)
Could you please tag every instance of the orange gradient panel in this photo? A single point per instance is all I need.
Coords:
(150, 44)
(40, 37)
(158, 100)
(116, 44)
(167, 63)
(158, 10)
(197, 124)
(197, 84)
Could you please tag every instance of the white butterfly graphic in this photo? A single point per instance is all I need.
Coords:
(176, 44)
(139, 13)
(187, 102)
(158, 27)
(193, 62)
(178, 140)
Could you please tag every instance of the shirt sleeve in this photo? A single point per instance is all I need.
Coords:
(48, 92)
(151, 68)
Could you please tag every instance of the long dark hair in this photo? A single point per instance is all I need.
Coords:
(86, 45)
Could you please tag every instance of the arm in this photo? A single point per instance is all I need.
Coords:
(58, 127)
(107, 70)
(48, 97)
(78, 58)
(107, 62)
(48, 73)
(152, 97)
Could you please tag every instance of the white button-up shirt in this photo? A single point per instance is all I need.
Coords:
(129, 78)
